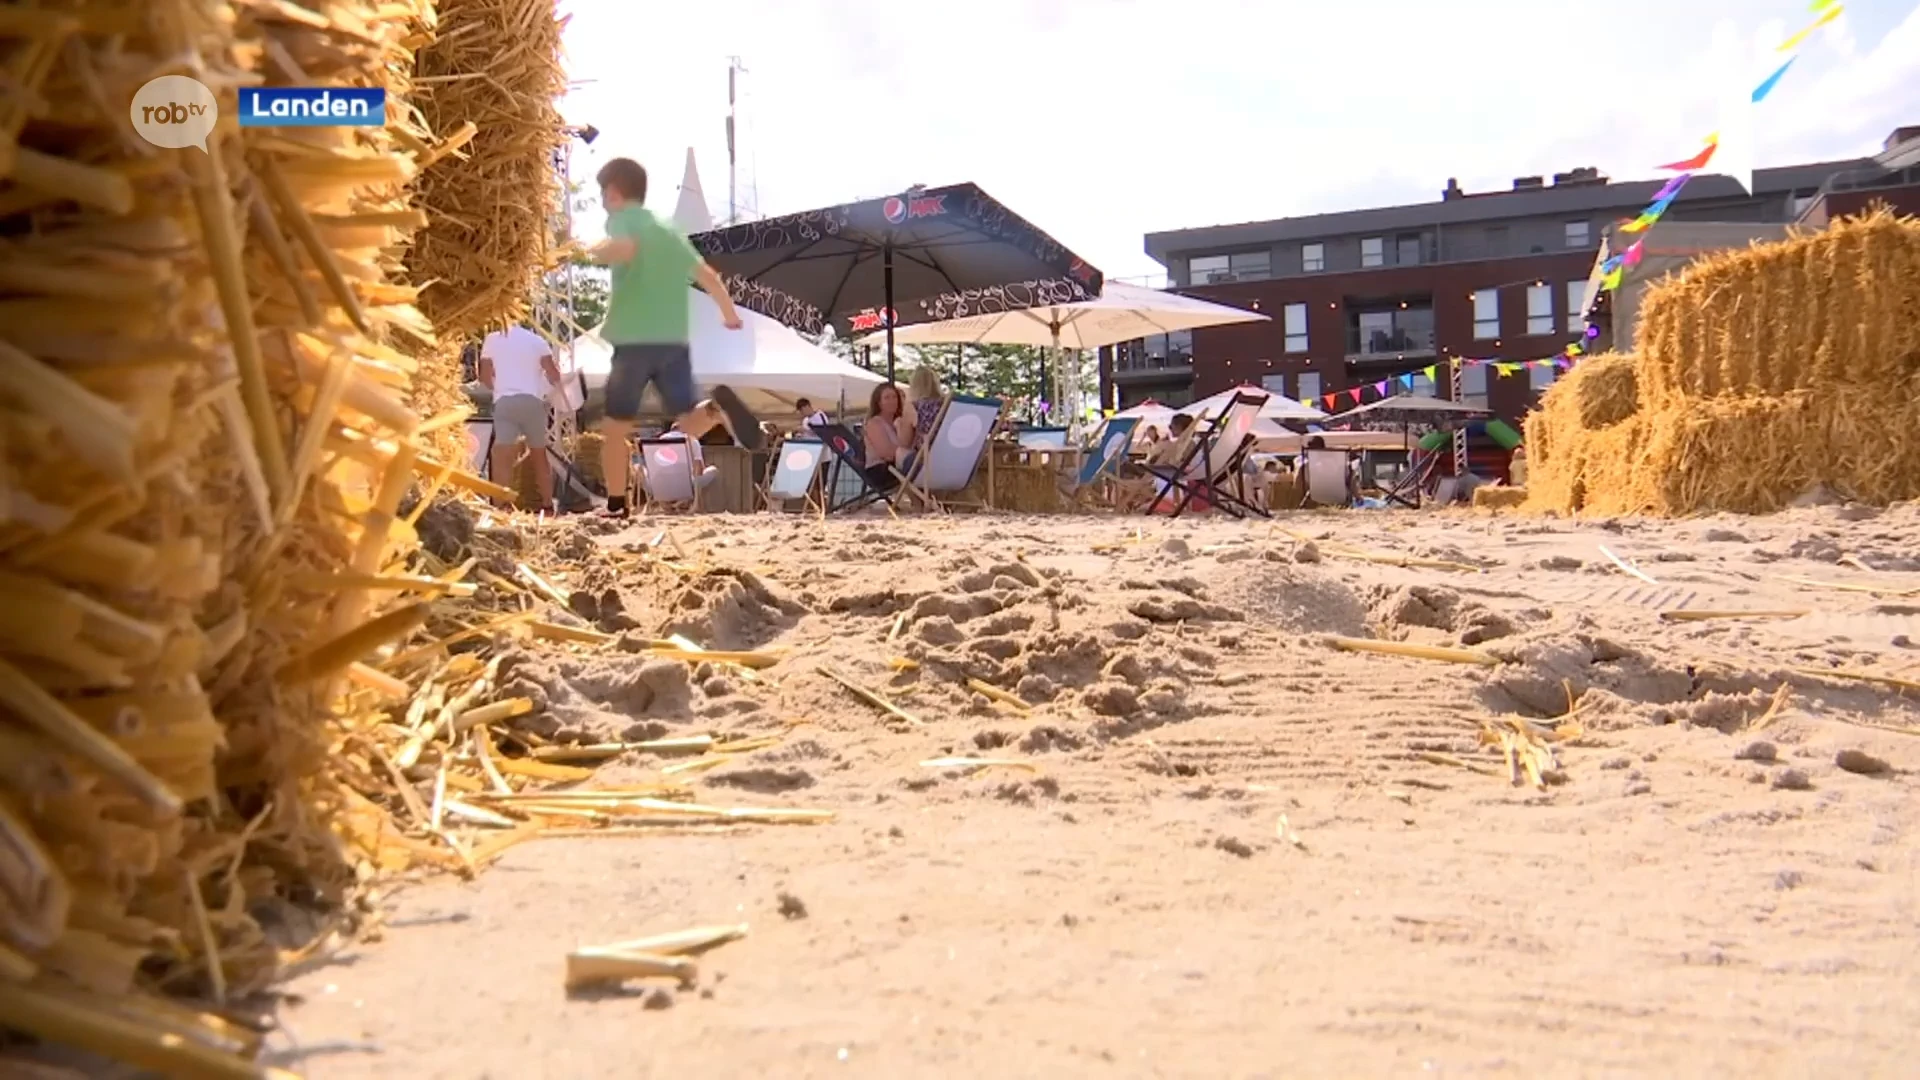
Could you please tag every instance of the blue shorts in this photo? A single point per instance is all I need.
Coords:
(668, 367)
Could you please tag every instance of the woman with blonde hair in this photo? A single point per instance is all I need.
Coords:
(924, 396)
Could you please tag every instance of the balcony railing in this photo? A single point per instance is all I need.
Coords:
(1141, 366)
(1380, 344)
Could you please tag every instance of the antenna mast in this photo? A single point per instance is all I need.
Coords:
(734, 70)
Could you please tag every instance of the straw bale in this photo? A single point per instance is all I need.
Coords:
(1603, 388)
(205, 432)
(1835, 306)
(1499, 498)
(494, 65)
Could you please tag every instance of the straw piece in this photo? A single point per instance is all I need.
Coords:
(586, 967)
(550, 631)
(995, 693)
(34, 705)
(1904, 685)
(334, 656)
(751, 660)
(601, 751)
(1704, 616)
(1846, 586)
(979, 763)
(1418, 652)
(1624, 568)
(683, 942)
(871, 698)
(92, 1026)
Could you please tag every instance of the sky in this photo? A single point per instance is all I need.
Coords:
(1102, 120)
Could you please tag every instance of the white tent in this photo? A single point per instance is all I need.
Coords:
(1276, 408)
(690, 213)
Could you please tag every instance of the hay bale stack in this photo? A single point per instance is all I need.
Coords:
(1762, 373)
(488, 80)
(204, 373)
(1499, 498)
(1827, 308)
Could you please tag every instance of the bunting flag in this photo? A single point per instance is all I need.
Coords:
(1612, 271)
(1409, 380)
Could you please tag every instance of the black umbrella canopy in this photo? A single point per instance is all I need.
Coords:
(1410, 409)
(927, 255)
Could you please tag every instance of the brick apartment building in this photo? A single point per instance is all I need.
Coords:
(1361, 295)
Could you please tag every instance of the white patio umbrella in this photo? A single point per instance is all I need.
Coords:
(1276, 408)
(1122, 312)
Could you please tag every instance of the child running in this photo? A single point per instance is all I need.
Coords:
(648, 317)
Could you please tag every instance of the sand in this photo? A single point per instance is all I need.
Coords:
(1240, 851)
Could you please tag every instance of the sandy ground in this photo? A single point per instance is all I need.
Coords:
(1700, 889)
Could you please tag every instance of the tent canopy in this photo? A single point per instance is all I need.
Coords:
(926, 255)
(1411, 409)
(1276, 408)
(769, 365)
(1120, 313)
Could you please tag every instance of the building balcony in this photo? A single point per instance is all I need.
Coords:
(1150, 368)
(1399, 343)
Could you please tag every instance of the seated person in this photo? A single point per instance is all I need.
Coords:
(1316, 443)
(924, 399)
(885, 451)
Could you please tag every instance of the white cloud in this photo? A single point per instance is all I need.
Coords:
(1101, 120)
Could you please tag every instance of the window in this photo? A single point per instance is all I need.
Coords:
(1274, 384)
(1408, 250)
(1251, 265)
(1496, 240)
(1486, 314)
(1180, 348)
(1798, 203)
(1313, 258)
(1296, 327)
(1423, 385)
(1373, 251)
(1309, 385)
(1203, 269)
(1578, 234)
(1473, 385)
(1576, 301)
(1541, 376)
(1539, 309)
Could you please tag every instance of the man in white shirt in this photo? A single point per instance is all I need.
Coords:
(517, 365)
(810, 417)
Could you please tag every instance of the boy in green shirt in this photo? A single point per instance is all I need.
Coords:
(648, 316)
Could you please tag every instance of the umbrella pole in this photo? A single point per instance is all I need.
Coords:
(886, 273)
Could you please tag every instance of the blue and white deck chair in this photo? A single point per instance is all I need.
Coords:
(950, 453)
(1104, 456)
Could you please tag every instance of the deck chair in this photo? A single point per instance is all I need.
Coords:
(1328, 479)
(951, 452)
(667, 471)
(1104, 457)
(791, 470)
(851, 484)
(1045, 438)
(1410, 485)
(1211, 466)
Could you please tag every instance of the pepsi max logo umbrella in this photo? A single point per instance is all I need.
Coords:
(926, 255)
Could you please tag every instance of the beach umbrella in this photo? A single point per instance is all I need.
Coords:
(1279, 408)
(1120, 313)
(927, 255)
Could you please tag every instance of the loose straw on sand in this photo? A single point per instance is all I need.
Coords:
(872, 698)
(1705, 616)
(1625, 567)
(1418, 652)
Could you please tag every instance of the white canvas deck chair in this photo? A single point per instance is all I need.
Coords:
(791, 473)
(667, 472)
(1211, 467)
(1329, 480)
(951, 452)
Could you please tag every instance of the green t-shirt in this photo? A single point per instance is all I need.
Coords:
(649, 304)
